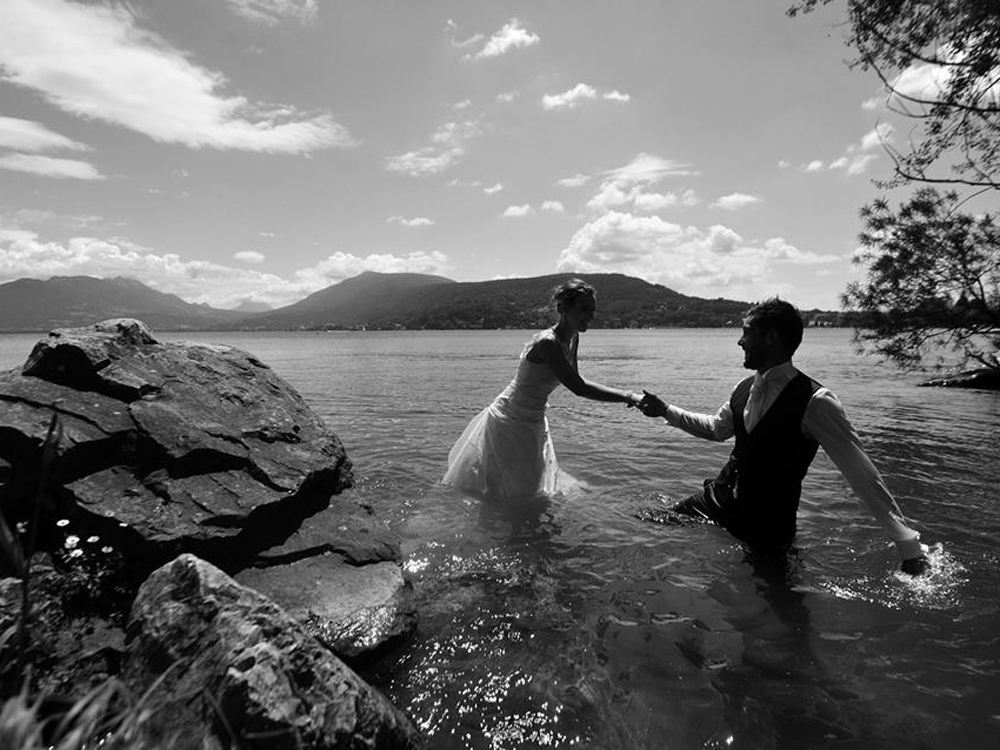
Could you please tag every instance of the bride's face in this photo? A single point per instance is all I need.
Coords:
(580, 312)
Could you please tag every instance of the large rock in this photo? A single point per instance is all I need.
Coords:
(172, 448)
(165, 447)
(235, 670)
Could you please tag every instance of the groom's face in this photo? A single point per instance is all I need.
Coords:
(753, 345)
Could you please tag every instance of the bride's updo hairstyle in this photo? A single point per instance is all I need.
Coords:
(568, 291)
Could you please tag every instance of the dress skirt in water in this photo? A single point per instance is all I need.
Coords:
(506, 450)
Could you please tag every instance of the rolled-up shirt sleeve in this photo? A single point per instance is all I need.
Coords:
(826, 422)
(718, 426)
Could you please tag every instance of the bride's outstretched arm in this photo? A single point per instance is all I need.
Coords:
(551, 353)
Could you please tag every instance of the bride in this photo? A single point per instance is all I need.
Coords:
(506, 450)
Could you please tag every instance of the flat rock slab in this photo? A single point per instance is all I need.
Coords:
(347, 528)
(350, 609)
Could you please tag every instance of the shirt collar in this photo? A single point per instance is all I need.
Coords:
(778, 374)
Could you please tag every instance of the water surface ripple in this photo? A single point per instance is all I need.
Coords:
(598, 622)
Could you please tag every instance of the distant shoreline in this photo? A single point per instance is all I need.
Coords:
(396, 329)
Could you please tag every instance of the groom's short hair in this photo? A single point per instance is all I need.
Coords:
(782, 317)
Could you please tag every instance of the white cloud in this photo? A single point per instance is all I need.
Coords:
(628, 185)
(508, 96)
(494, 188)
(736, 201)
(24, 253)
(553, 206)
(857, 156)
(271, 12)
(716, 261)
(872, 104)
(648, 169)
(340, 266)
(569, 99)
(777, 249)
(518, 211)
(654, 201)
(881, 133)
(923, 81)
(50, 166)
(418, 221)
(268, 235)
(28, 135)
(576, 180)
(451, 27)
(446, 149)
(93, 61)
(926, 82)
(859, 164)
(511, 36)
(784, 164)
(578, 94)
(249, 256)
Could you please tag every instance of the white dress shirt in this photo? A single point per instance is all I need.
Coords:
(825, 422)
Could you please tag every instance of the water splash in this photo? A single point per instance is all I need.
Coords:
(937, 589)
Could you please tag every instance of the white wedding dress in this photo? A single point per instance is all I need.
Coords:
(506, 450)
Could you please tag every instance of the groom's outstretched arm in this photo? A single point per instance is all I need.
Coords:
(718, 426)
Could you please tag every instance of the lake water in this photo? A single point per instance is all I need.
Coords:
(592, 625)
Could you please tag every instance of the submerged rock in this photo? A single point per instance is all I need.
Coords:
(350, 610)
(235, 670)
(339, 575)
(986, 378)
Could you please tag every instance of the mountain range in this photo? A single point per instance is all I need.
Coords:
(70, 301)
(368, 301)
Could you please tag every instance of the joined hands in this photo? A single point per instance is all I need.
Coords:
(648, 403)
(651, 405)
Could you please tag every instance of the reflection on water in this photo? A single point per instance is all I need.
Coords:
(598, 621)
(500, 660)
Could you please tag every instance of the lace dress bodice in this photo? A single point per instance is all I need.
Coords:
(533, 382)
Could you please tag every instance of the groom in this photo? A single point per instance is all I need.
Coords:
(780, 417)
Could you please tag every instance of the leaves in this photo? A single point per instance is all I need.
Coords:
(933, 280)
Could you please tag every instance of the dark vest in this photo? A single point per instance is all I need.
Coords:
(767, 466)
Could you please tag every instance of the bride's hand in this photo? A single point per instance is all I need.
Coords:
(633, 400)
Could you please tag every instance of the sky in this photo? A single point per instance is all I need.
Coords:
(234, 150)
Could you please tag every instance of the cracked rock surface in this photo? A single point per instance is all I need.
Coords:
(167, 448)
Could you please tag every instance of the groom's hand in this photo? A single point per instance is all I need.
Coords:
(652, 406)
